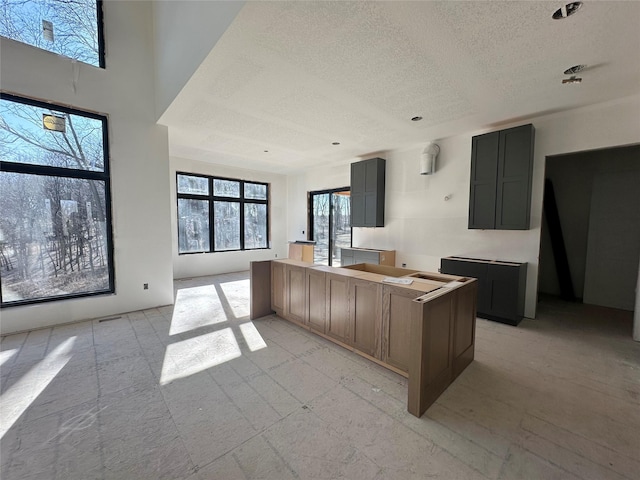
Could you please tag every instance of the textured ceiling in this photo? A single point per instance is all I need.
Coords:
(293, 77)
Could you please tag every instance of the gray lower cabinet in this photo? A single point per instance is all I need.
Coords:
(352, 256)
(501, 286)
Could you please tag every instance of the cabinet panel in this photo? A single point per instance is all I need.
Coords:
(473, 269)
(484, 167)
(370, 209)
(367, 193)
(356, 255)
(357, 209)
(482, 209)
(316, 300)
(501, 286)
(515, 165)
(337, 316)
(277, 288)
(295, 285)
(346, 257)
(501, 173)
(365, 316)
(358, 177)
(398, 310)
(504, 291)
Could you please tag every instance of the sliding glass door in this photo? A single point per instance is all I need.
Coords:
(330, 224)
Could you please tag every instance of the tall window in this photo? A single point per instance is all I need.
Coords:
(221, 214)
(330, 224)
(55, 212)
(72, 28)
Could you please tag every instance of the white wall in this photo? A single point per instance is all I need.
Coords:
(139, 160)
(423, 227)
(185, 33)
(195, 265)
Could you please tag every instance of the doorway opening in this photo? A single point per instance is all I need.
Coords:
(597, 210)
(330, 224)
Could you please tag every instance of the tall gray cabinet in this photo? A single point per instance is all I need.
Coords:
(367, 193)
(501, 172)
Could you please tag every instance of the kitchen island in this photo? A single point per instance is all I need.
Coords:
(420, 325)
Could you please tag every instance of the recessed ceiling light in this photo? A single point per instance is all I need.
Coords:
(566, 11)
(335, 143)
(571, 80)
(416, 119)
(574, 69)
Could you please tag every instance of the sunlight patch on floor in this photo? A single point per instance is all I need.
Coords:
(196, 307)
(197, 354)
(237, 294)
(21, 394)
(252, 337)
(6, 355)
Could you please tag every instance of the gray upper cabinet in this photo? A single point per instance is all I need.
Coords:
(367, 193)
(501, 172)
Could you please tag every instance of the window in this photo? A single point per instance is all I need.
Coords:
(72, 28)
(55, 207)
(221, 214)
(330, 224)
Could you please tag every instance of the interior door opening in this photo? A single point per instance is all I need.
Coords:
(598, 209)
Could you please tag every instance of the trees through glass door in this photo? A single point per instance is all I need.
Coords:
(330, 224)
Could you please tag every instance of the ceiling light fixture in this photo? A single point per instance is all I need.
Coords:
(416, 119)
(575, 69)
(566, 11)
(571, 80)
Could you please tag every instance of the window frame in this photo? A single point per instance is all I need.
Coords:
(100, 40)
(310, 222)
(211, 198)
(50, 171)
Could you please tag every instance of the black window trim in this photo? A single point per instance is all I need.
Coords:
(44, 170)
(310, 234)
(211, 198)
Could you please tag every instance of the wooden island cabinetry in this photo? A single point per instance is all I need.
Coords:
(424, 330)
(365, 320)
(315, 297)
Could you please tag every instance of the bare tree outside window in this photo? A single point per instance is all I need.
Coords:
(54, 224)
(330, 221)
(72, 28)
(234, 213)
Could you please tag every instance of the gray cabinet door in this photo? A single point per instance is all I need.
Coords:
(501, 172)
(367, 193)
(358, 173)
(515, 164)
(501, 286)
(484, 167)
(346, 257)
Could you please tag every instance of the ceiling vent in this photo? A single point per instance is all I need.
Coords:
(575, 69)
(566, 11)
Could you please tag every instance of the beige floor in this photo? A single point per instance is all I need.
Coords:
(200, 392)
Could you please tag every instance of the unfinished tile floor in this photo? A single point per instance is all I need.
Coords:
(197, 391)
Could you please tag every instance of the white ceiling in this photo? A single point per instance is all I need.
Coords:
(293, 77)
